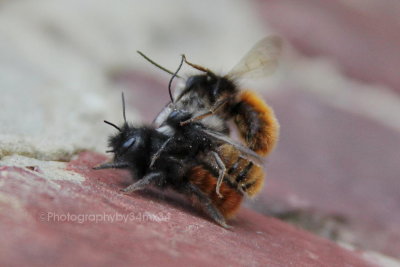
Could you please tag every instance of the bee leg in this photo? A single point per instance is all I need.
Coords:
(158, 153)
(222, 170)
(142, 183)
(111, 165)
(209, 208)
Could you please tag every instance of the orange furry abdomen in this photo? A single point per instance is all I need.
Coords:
(229, 204)
(256, 117)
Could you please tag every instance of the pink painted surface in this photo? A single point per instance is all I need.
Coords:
(33, 234)
(336, 163)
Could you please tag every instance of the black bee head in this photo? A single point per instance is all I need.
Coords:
(130, 146)
(128, 142)
(127, 145)
(210, 85)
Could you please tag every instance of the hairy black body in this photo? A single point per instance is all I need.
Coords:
(154, 158)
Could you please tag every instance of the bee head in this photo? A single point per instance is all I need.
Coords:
(210, 85)
(126, 142)
(128, 146)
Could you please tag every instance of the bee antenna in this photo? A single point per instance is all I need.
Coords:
(123, 107)
(113, 125)
(198, 67)
(172, 78)
(156, 64)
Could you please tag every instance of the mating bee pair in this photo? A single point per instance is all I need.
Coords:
(188, 147)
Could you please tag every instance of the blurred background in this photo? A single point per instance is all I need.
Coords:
(336, 169)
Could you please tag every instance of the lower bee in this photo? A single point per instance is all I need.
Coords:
(190, 164)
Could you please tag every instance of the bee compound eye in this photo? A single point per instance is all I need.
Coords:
(128, 143)
(190, 81)
(174, 114)
(178, 116)
(195, 80)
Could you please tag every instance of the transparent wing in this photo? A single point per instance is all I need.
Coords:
(261, 60)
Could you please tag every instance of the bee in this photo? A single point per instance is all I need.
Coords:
(186, 162)
(209, 94)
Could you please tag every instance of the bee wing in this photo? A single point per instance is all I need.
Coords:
(261, 60)
(246, 151)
